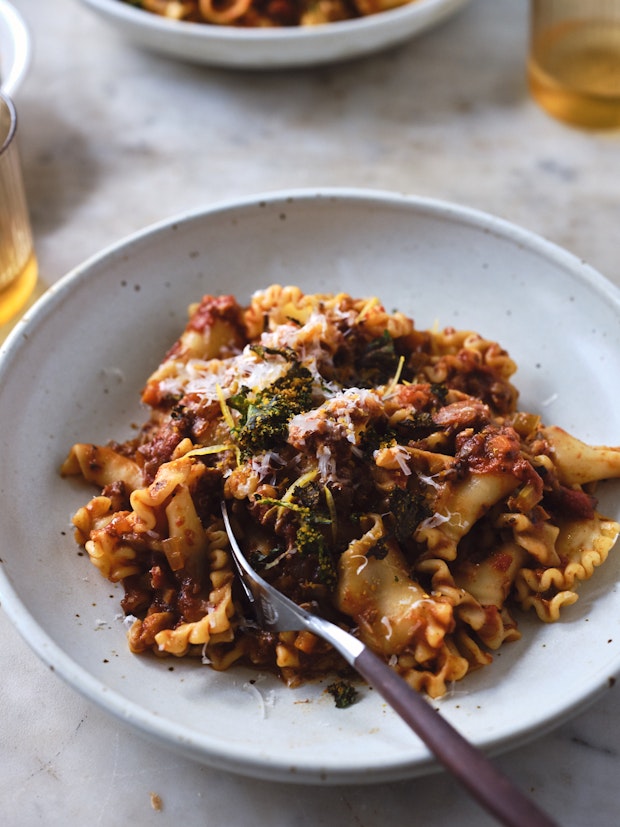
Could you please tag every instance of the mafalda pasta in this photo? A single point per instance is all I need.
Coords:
(263, 14)
(380, 475)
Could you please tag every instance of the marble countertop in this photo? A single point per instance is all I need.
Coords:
(113, 139)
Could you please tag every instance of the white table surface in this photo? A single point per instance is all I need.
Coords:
(113, 139)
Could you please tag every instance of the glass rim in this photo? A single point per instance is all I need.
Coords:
(5, 141)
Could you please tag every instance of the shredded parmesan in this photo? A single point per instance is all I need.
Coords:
(401, 456)
(468, 502)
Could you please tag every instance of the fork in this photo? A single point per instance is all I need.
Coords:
(493, 790)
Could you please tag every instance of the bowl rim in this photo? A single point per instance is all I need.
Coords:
(137, 17)
(472, 216)
(273, 48)
(16, 42)
(89, 686)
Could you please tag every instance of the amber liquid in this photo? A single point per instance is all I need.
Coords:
(16, 295)
(18, 264)
(574, 73)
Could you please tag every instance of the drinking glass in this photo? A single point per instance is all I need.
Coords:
(574, 60)
(18, 264)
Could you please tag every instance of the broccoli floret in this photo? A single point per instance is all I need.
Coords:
(343, 693)
(376, 436)
(309, 540)
(416, 422)
(408, 511)
(309, 495)
(377, 362)
(265, 415)
(440, 391)
(380, 549)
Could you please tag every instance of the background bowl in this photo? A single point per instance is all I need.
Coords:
(73, 370)
(273, 48)
(15, 49)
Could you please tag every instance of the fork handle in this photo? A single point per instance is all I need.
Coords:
(469, 765)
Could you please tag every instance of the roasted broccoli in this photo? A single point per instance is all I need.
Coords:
(408, 511)
(343, 693)
(310, 541)
(265, 415)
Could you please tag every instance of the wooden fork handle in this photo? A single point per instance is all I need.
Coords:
(469, 765)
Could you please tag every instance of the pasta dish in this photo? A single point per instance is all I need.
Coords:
(380, 475)
(265, 13)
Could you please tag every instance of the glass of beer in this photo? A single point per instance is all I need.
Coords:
(574, 60)
(18, 264)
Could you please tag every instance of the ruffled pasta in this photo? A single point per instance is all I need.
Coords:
(378, 474)
(262, 13)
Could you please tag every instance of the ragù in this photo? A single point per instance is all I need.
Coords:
(378, 474)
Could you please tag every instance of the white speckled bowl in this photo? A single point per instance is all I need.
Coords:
(273, 48)
(73, 371)
(15, 49)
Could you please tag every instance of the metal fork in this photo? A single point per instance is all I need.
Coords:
(493, 790)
